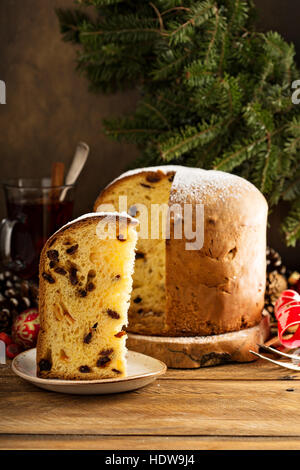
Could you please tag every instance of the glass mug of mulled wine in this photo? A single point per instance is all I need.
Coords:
(35, 210)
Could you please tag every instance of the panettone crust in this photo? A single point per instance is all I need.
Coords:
(219, 288)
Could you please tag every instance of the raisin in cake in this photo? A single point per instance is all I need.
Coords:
(85, 282)
(211, 291)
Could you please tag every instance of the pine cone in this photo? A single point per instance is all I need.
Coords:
(274, 262)
(276, 279)
(5, 320)
(16, 295)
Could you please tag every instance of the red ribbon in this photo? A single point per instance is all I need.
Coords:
(287, 312)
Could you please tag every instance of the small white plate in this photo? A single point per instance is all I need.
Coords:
(141, 371)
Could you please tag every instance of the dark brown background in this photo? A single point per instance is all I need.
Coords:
(48, 106)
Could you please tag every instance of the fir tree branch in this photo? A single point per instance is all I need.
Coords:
(190, 138)
(70, 23)
(234, 159)
(171, 103)
(196, 16)
(159, 16)
(158, 113)
(214, 34)
(291, 225)
(292, 190)
(266, 167)
(162, 72)
(175, 10)
(239, 13)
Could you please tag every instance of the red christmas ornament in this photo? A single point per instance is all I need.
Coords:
(25, 328)
(287, 312)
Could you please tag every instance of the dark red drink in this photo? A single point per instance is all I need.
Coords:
(33, 215)
(35, 223)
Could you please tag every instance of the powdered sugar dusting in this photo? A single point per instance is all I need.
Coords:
(197, 184)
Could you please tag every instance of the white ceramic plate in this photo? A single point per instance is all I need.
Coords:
(141, 371)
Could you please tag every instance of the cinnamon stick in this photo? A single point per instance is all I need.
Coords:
(57, 179)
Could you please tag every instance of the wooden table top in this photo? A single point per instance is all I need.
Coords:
(236, 406)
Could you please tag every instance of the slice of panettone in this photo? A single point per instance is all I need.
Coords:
(85, 284)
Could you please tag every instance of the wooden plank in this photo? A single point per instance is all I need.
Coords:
(25, 442)
(258, 370)
(167, 407)
(15, 384)
(5, 370)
